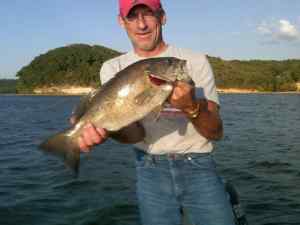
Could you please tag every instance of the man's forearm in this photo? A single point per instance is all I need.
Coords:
(208, 121)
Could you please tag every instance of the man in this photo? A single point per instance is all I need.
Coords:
(175, 169)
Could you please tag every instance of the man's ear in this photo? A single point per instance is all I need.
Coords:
(163, 19)
(121, 21)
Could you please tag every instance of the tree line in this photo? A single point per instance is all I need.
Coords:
(79, 64)
(7, 86)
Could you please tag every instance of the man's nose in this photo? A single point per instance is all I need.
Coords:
(141, 22)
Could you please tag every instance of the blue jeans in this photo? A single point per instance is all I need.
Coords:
(168, 184)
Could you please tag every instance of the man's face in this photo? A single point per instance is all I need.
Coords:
(144, 27)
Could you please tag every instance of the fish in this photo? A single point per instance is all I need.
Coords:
(133, 93)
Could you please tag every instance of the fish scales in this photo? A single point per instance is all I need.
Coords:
(131, 95)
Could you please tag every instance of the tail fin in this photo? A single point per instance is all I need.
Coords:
(63, 145)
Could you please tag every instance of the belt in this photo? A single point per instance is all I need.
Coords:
(140, 154)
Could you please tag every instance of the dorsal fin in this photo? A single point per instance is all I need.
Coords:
(84, 103)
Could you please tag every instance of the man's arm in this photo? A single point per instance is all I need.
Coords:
(204, 114)
(207, 121)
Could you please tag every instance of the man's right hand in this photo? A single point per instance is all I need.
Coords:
(91, 136)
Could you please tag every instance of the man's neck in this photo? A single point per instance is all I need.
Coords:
(156, 51)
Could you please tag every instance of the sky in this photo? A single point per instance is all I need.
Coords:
(230, 29)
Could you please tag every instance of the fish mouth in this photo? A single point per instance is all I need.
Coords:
(158, 80)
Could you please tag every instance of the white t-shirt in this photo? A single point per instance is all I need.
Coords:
(172, 132)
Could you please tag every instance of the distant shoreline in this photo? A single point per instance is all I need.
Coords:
(79, 91)
(64, 90)
(252, 91)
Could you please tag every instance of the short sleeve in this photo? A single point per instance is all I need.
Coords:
(107, 72)
(204, 80)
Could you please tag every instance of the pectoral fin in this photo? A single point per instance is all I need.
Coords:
(155, 113)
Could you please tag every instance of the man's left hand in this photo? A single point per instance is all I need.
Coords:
(183, 96)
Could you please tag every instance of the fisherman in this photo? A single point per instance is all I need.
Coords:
(175, 168)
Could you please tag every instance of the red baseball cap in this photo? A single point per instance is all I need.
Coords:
(126, 5)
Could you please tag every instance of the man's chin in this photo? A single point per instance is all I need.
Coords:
(145, 47)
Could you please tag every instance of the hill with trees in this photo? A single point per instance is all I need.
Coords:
(76, 64)
(261, 75)
(79, 65)
(7, 86)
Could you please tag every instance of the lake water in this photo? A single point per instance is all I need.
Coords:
(259, 154)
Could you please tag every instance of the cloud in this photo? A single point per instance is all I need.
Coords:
(264, 29)
(278, 31)
(288, 31)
